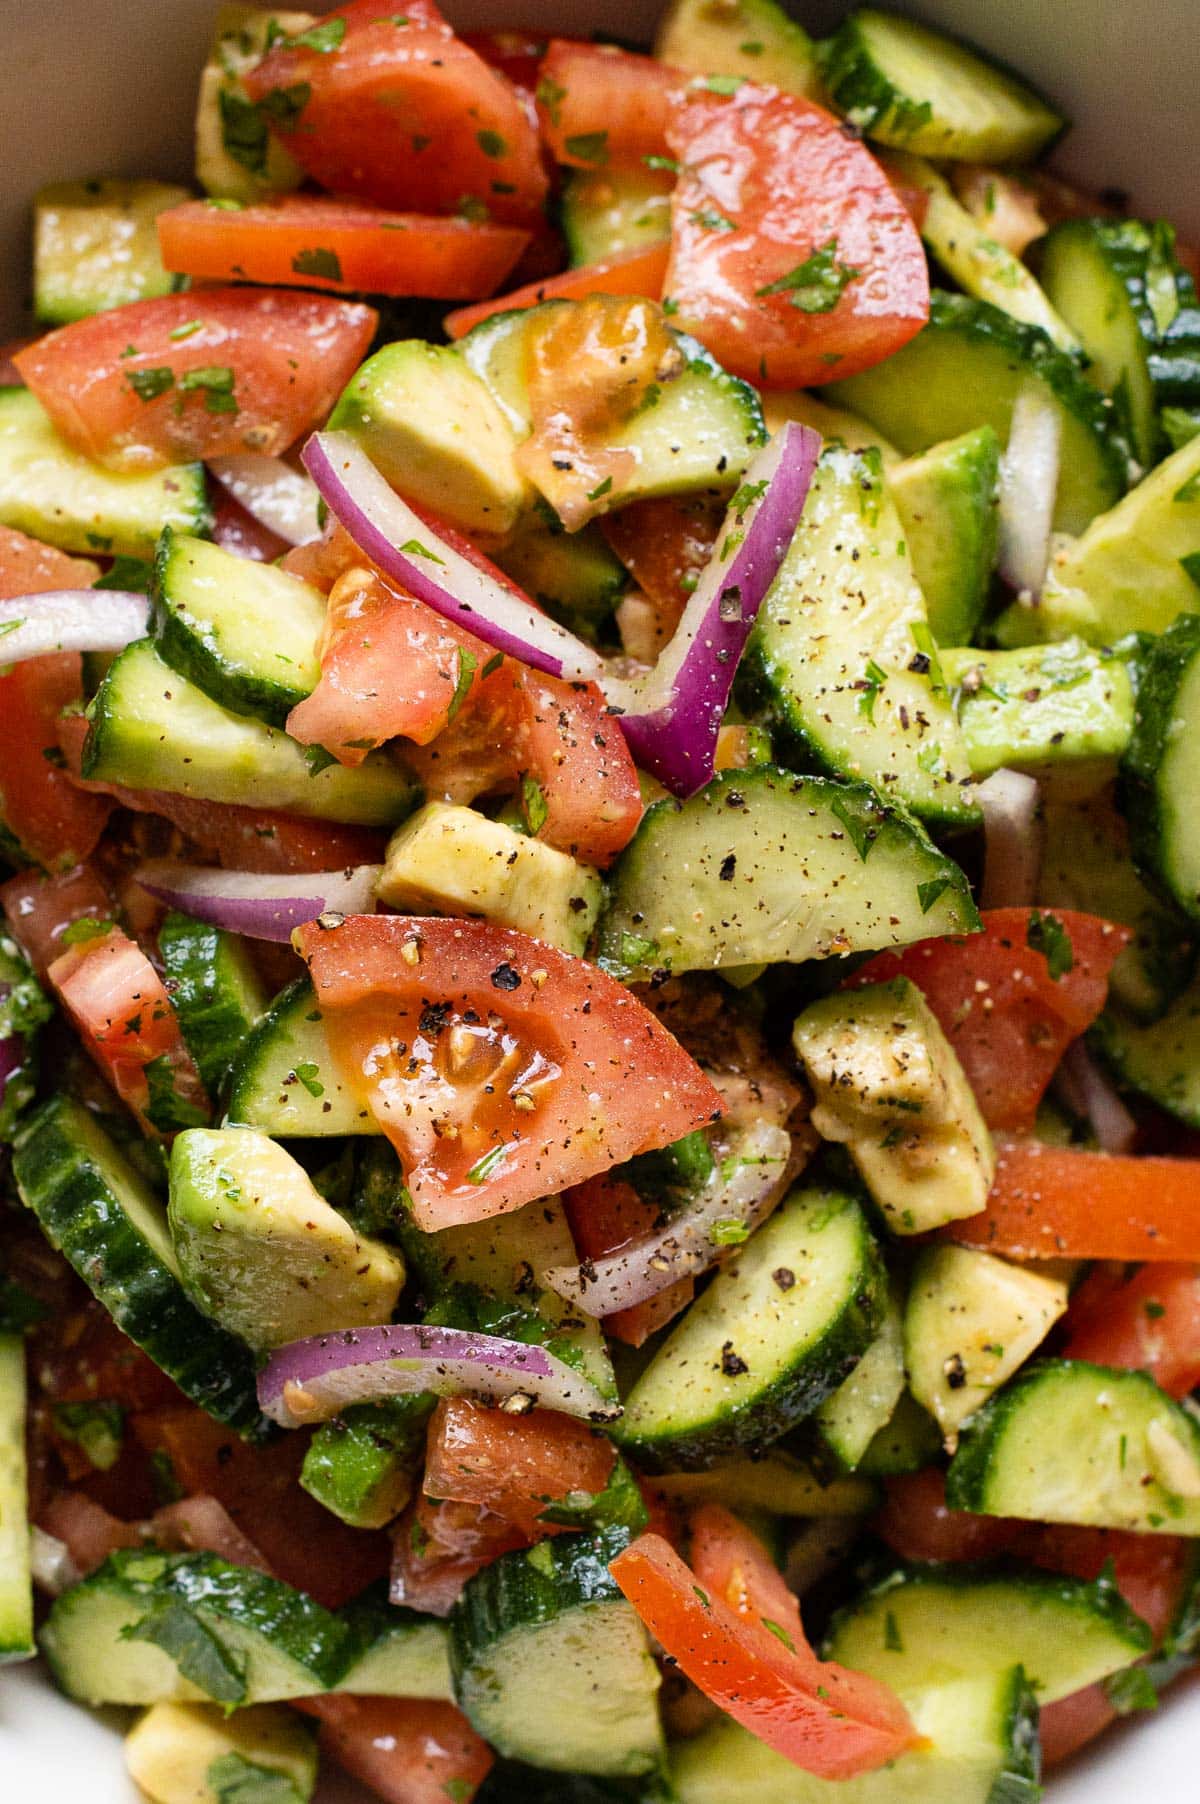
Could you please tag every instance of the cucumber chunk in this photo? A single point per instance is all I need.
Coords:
(237, 156)
(848, 1421)
(150, 1628)
(574, 576)
(965, 369)
(1158, 783)
(905, 84)
(95, 246)
(946, 499)
(284, 1079)
(909, 1442)
(243, 632)
(779, 1484)
(777, 1331)
(215, 991)
(765, 867)
(404, 1655)
(1038, 709)
(182, 1753)
(16, 1584)
(1160, 1058)
(549, 1627)
(841, 664)
(610, 212)
(753, 38)
(111, 1228)
(1066, 1441)
(55, 493)
(153, 729)
(362, 1464)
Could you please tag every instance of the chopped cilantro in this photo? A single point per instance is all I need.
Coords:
(491, 144)
(817, 284)
(1047, 935)
(462, 686)
(589, 147)
(86, 928)
(491, 1161)
(320, 262)
(533, 803)
(324, 37)
(215, 382)
(550, 95)
(147, 385)
(414, 548)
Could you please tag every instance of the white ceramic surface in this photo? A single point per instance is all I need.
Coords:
(107, 87)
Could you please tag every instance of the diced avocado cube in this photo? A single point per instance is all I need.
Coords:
(198, 1754)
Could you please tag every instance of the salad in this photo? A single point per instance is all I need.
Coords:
(599, 1026)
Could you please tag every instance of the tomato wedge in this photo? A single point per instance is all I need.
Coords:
(1055, 1202)
(714, 1624)
(401, 112)
(197, 375)
(1011, 999)
(343, 246)
(516, 54)
(635, 272)
(1150, 1322)
(127, 1022)
(606, 1214)
(28, 567)
(437, 1547)
(792, 257)
(500, 1068)
(512, 1465)
(665, 543)
(601, 106)
(43, 811)
(918, 1523)
(39, 909)
(407, 1750)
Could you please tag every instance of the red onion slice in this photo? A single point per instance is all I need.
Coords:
(742, 1190)
(284, 500)
(1088, 1093)
(260, 905)
(31, 626)
(1028, 488)
(1012, 857)
(672, 717)
(406, 548)
(312, 1380)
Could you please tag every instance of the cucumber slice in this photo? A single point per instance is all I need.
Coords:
(924, 1627)
(215, 991)
(237, 157)
(983, 1749)
(909, 1442)
(777, 1331)
(284, 1079)
(24, 1011)
(610, 212)
(946, 499)
(778, 1484)
(752, 38)
(848, 1421)
(54, 493)
(905, 84)
(966, 369)
(841, 666)
(833, 423)
(574, 576)
(765, 867)
(1158, 1059)
(150, 1628)
(1134, 309)
(108, 1224)
(404, 1655)
(152, 729)
(697, 430)
(1066, 1441)
(1157, 788)
(16, 1584)
(245, 633)
(1037, 709)
(95, 246)
(550, 1624)
(192, 1754)
(362, 1464)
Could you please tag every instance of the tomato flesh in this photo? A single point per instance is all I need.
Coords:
(635, 272)
(340, 246)
(1006, 1015)
(500, 1068)
(918, 1523)
(601, 106)
(407, 1750)
(261, 367)
(665, 543)
(404, 114)
(437, 1547)
(1150, 1323)
(607, 1214)
(768, 182)
(512, 1465)
(27, 567)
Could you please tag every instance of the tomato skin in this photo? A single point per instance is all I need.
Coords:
(287, 356)
(512, 1464)
(665, 544)
(27, 567)
(634, 272)
(516, 54)
(606, 1214)
(1006, 1017)
(787, 177)
(340, 247)
(615, 97)
(406, 115)
(89, 1531)
(1150, 1322)
(39, 909)
(825, 1719)
(468, 1001)
(436, 1548)
(407, 1750)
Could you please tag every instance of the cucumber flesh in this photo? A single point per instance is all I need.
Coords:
(404, 1654)
(95, 246)
(1158, 784)
(848, 1421)
(611, 212)
(16, 1584)
(1158, 1059)
(215, 991)
(284, 1079)
(753, 38)
(1051, 706)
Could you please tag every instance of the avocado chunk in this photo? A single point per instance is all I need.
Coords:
(260, 1249)
(752, 38)
(946, 499)
(437, 434)
(454, 861)
(971, 1321)
(889, 1087)
(237, 156)
(1035, 708)
(198, 1754)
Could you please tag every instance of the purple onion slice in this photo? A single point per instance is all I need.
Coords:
(260, 905)
(32, 626)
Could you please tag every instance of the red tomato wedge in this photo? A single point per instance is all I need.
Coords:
(48, 816)
(792, 257)
(500, 1068)
(601, 106)
(407, 1750)
(198, 375)
(1011, 999)
(516, 54)
(83, 1355)
(635, 272)
(127, 1022)
(28, 567)
(712, 1622)
(1150, 1322)
(606, 1214)
(88, 1530)
(512, 1465)
(402, 113)
(437, 1547)
(343, 246)
(390, 667)
(918, 1523)
(39, 910)
(1055, 1202)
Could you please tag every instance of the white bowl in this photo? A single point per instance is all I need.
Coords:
(108, 87)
